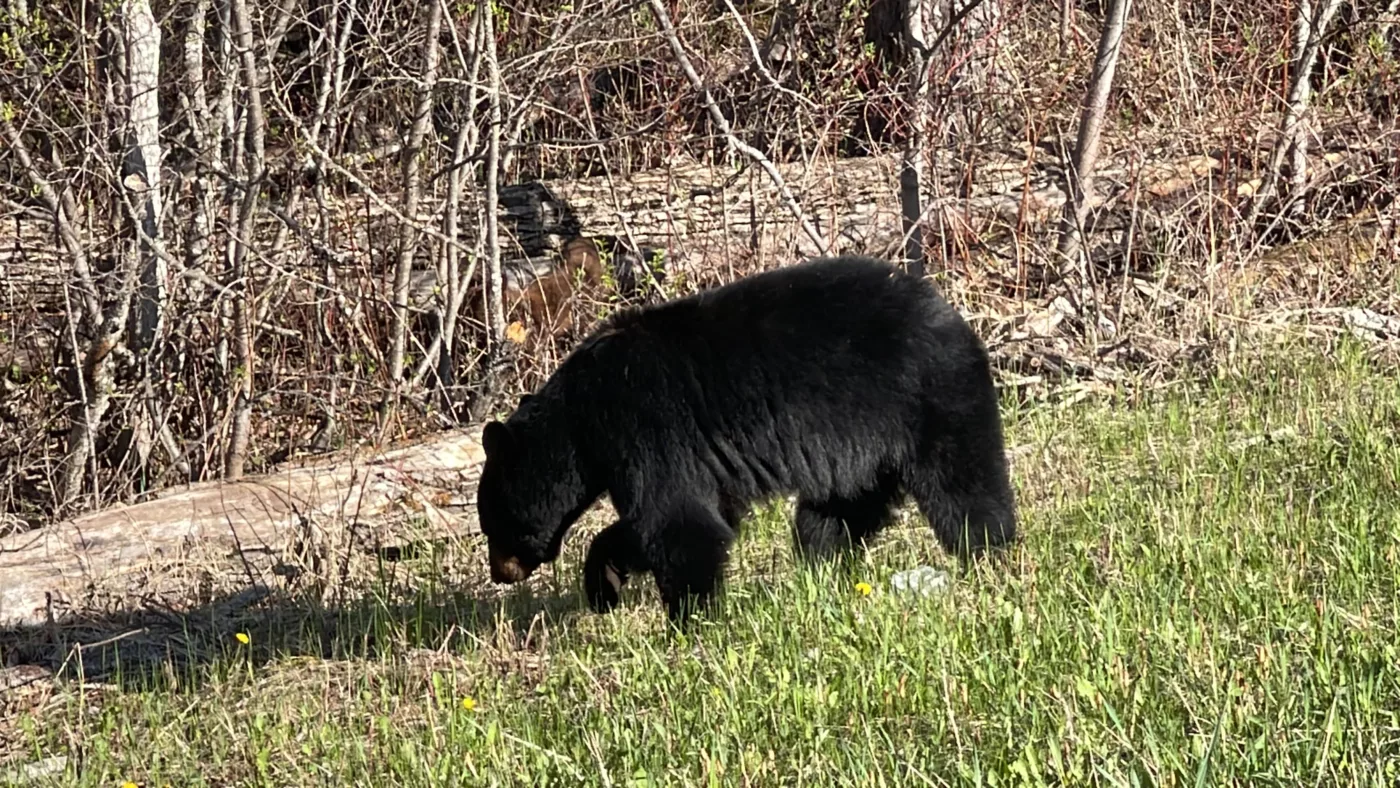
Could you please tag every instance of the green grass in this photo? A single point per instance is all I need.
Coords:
(1206, 594)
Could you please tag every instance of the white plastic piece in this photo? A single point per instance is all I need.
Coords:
(921, 580)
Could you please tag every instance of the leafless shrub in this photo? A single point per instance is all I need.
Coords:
(319, 268)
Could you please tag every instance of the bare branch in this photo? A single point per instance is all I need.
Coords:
(62, 211)
(1299, 91)
(758, 63)
(667, 30)
(450, 276)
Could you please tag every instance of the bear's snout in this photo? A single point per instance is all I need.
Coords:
(507, 569)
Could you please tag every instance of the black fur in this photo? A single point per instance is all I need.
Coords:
(843, 380)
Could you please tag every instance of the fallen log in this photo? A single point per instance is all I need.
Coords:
(701, 215)
(61, 567)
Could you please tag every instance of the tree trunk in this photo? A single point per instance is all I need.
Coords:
(493, 166)
(1086, 149)
(241, 399)
(1298, 146)
(143, 202)
(912, 162)
(1066, 10)
(412, 187)
(204, 133)
(143, 159)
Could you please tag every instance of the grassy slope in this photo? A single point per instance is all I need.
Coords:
(1184, 598)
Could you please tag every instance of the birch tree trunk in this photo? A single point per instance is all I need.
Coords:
(1086, 149)
(1298, 146)
(493, 165)
(205, 135)
(143, 158)
(141, 178)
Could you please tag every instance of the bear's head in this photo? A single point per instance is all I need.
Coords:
(529, 494)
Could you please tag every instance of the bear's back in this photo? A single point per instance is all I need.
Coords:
(826, 328)
(820, 294)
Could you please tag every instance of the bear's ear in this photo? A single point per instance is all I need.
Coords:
(524, 398)
(496, 439)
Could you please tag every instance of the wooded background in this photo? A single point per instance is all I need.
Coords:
(235, 231)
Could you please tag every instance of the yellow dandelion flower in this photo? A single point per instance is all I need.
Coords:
(863, 589)
(468, 703)
(242, 637)
(130, 784)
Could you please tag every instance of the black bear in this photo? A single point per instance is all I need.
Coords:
(843, 380)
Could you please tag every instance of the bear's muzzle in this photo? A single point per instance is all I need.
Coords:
(507, 569)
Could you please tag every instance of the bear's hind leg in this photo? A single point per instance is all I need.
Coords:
(687, 555)
(614, 554)
(826, 528)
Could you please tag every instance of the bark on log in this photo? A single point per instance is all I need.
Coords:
(704, 217)
(47, 572)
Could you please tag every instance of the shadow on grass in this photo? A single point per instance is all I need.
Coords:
(421, 596)
(158, 648)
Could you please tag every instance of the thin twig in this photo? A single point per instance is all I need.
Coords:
(734, 142)
(758, 60)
